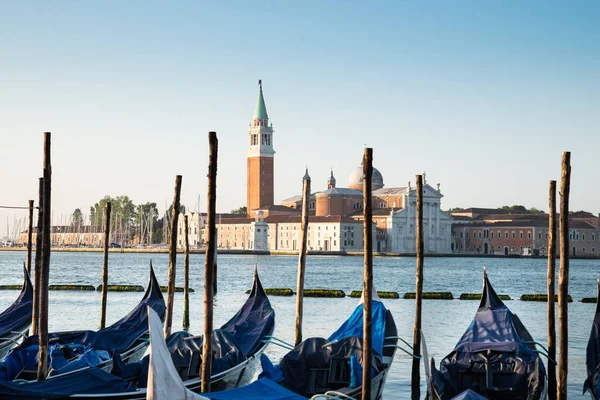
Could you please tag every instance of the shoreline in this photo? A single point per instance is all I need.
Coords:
(283, 253)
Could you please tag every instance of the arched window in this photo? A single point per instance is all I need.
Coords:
(311, 205)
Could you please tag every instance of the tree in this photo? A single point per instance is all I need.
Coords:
(241, 210)
(77, 217)
(146, 218)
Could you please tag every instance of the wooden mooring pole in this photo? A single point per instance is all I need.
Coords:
(173, 256)
(29, 236)
(105, 266)
(302, 258)
(368, 274)
(209, 261)
(45, 270)
(416, 362)
(563, 279)
(551, 290)
(186, 275)
(35, 315)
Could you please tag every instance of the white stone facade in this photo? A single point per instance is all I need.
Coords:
(437, 225)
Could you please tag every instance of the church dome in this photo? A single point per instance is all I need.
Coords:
(356, 179)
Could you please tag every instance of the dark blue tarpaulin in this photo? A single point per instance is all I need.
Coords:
(495, 338)
(118, 337)
(91, 380)
(261, 389)
(593, 355)
(354, 325)
(18, 315)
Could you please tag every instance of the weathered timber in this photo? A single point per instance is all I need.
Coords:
(416, 371)
(29, 236)
(563, 280)
(368, 273)
(45, 270)
(105, 266)
(551, 278)
(302, 258)
(173, 255)
(186, 275)
(209, 262)
(35, 314)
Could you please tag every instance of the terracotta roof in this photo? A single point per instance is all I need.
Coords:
(539, 223)
(390, 191)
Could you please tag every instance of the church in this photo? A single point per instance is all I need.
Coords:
(336, 214)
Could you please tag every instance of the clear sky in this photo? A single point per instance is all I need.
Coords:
(482, 95)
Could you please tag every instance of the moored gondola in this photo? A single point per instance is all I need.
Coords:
(318, 368)
(495, 357)
(73, 350)
(16, 319)
(593, 355)
(237, 347)
(333, 366)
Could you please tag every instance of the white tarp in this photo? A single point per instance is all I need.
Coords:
(164, 382)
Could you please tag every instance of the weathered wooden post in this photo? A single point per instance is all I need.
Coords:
(29, 236)
(173, 256)
(209, 262)
(551, 290)
(216, 267)
(105, 266)
(563, 279)
(35, 315)
(368, 273)
(45, 270)
(186, 276)
(416, 371)
(302, 257)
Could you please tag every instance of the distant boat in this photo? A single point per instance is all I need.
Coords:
(73, 350)
(593, 355)
(496, 357)
(16, 319)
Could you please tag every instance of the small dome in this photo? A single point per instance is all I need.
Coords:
(356, 179)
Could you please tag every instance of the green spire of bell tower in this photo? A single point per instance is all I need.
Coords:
(261, 108)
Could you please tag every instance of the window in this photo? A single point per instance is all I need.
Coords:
(593, 250)
(311, 206)
(540, 235)
(335, 244)
(461, 234)
(513, 234)
(480, 235)
(584, 236)
(474, 235)
(506, 235)
(345, 243)
(257, 229)
(492, 234)
(381, 205)
(593, 237)
(520, 235)
(583, 250)
(499, 234)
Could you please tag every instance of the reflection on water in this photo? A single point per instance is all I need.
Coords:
(444, 322)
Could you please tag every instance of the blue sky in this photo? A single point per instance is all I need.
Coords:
(482, 95)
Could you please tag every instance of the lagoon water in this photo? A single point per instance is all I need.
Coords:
(443, 321)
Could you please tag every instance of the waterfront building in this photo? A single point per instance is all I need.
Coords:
(523, 234)
(70, 236)
(336, 214)
(260, 172)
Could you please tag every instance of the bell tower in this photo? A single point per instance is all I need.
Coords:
(260, 189)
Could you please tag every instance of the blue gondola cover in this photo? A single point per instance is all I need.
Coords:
(19, 313)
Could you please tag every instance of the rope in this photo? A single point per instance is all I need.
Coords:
(17, 207)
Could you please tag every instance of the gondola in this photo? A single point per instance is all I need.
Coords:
(16, 319)
(593, 355)
(127, 339)
(496, 357)
(317, 368)
(237, 347)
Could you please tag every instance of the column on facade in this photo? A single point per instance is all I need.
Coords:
(437, 233)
